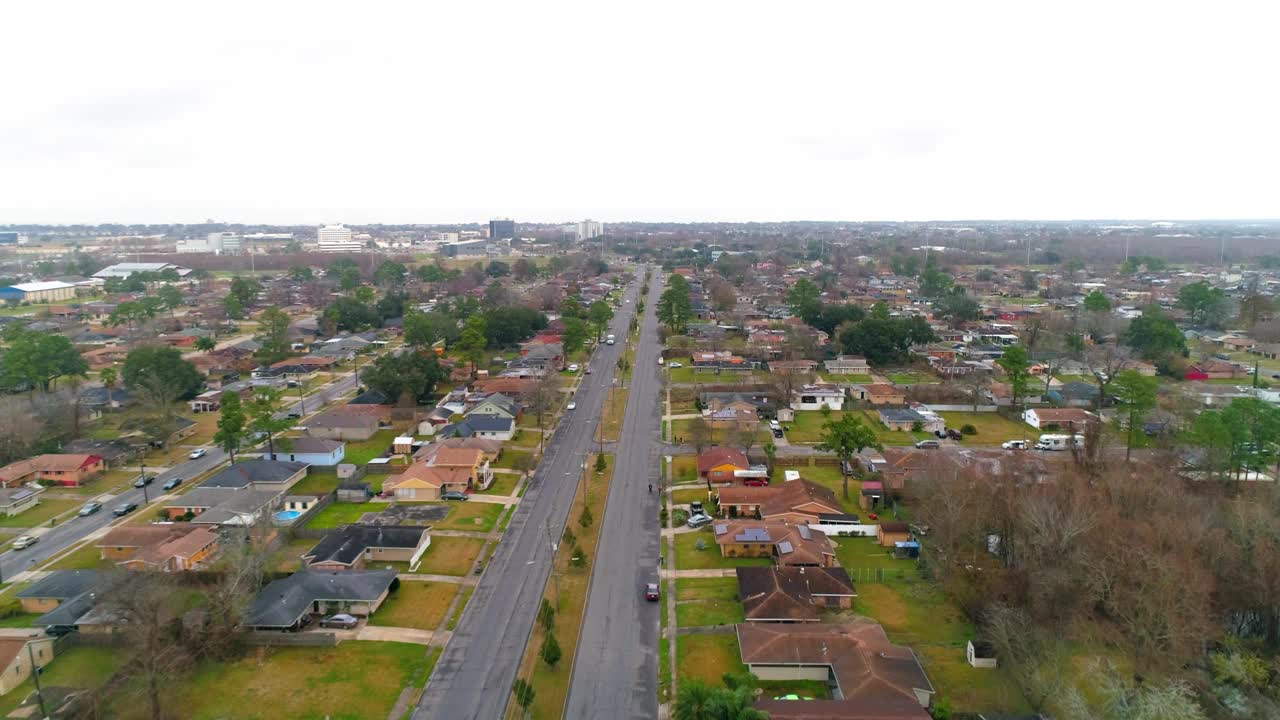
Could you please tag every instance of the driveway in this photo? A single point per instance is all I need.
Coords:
(394, 634)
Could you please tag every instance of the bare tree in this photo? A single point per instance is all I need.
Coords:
(146, 604)
(241, 567)
(1104, 361)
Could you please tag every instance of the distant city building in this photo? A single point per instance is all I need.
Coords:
(588, 229)
(337, 239)
(39, 292)
(124, 270)
(502, 229)
(218, 243)
(8, 237)
(461, 248)
(445, 237)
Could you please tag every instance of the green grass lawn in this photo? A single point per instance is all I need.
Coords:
(360, 453)
(351, 681)
(686, 374)
(338, 514)
(288, 557)
(863, 553)
(511, 457)
(503, 484)
(680, 429)
(524, 439)
(478, 516)
(807, 426)
(77, 667)
(855, 378)
(460, 607)
(685, 496)
(85, 558)
(912, 378)
(992, 428)
(19, 620)
(689, 557)
(707, 657)
(970, 689)
(664, 667)
(450, 556)
(317, 482)
(828, 477)
(707, 601)
(415, 604)
(40, 514)
(684, 468)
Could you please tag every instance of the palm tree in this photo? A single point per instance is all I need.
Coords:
(693, 701)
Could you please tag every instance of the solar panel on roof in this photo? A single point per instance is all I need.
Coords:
(721, 529)
(804, 532)
(784, 547)
(753, 535)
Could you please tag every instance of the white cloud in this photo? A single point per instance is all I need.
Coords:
(436, 112)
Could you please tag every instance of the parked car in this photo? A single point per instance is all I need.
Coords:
(144, 481)
(928, 445)
(89, 509)
(1014, 445)
(651, 591)
(695, 508)
(777, 432)
(573, 367)
(295, 415)
(587, 370)
(172, 483)
(675, 364)
(342, 621)
(698, 520)
(954, 434)
(60, 630)
(125, 509)
(197, 453)
(453, 495)
(292, 383)
(571, 406)
(22, 542)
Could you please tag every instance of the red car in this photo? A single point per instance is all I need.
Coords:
(873, 516)
(651, 591)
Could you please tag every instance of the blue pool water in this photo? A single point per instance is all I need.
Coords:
(287, 515)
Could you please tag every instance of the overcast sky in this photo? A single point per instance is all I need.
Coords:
(694, 110)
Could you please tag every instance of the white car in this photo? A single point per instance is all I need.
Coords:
(198, 453)
(572, 406)
(573, 368)
(674, 364)
(23, 542)
(1014, 445)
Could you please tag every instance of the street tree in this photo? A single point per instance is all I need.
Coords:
(272, 336)
(1137, 392)
(422, 330)
(599, 315)
(206, 343)
(846, 437)
(232, 430)
(161, 376)
(265, 418)
(1016, 364)
(412, 375)
(474, 341)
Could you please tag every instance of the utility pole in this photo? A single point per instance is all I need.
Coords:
(35, 675)
(555, 580)
(142, 475)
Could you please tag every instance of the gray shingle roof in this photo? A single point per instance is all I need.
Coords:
(346, 545)
(62, 584)
(246, 472)
(282, 602)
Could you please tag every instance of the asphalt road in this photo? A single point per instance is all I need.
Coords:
(69, 532)
(473, 677)
(615, 672)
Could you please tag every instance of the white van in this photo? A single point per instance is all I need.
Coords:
(1059, 442)
(661, 361)
(609, 340)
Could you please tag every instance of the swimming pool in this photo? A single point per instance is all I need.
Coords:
(286, 516)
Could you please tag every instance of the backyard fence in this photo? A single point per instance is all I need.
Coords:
(871, 576)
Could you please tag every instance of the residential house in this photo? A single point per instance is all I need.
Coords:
(164, 548)
(304, 366)
(785, 594)
(421, 481)
(276, 475)
(18, 655)
(489, 449)
(1212, 370)
(290, 603)
(720, 361)
(342, 426)
(65, 469)
(114, 453)
(740, 414)
(719, 464)
(873, 678)
(792, 367)
(1239, 344)
(57, 587)
(472, 460)
(891, 531)
(309, 451)
(1058, 418)
(14, 501)
(797, 502)
(493, 427)
(497, 405)
(1074, 394)
(788, 545)
(816, 397)
(352, 547)
(224, 506)
(848, 365)
(906, 419)
(879, 394)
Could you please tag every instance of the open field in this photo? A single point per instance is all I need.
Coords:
(360, 453)
(476, 516)
(415, 604)
(707, 601)
(992, 428)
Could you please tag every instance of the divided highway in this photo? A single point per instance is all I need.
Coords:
(472, 680)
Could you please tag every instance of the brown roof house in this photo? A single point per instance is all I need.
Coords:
(163, 548)
(718, 464)
(797, 501)
(783, 594)
(788, 545)
(879, 394)
(873, 678)
(342, 426)
(63, 469)
(421, 481)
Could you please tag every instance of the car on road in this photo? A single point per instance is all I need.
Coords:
(587, 370)
(342, 621)
(125, 509)
(573, 367)
(292, 383)
(197, 453)
(172, 483)
(144, 481)
(651, 591)
(928, 445)
(571, 406)
(89, 509)
(22, 542)
(698, 520)
(777, 432)
(453, 495)
(295, 415)
(675, 364)
(1014, 445)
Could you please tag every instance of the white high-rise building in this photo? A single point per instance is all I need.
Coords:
(588, 229)
(336, 239)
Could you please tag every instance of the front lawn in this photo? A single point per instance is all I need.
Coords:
(684, 468)
(807, 426)
(351, 681)
(317, 482)
(340, 513)
(912, 378)
(450, 556)
(503, 484)
(360, 453)
(510, 458)
(707, 601)
(478, 516)
(708, 657)
(80, 666)
(689, 557)
(414, 604)
(685, 496)
(993, 428)
(40, 514)
(85, 558)
(524, 439)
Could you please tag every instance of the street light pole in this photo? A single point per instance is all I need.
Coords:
(555, 581)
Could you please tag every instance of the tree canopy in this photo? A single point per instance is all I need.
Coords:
(416, 374)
